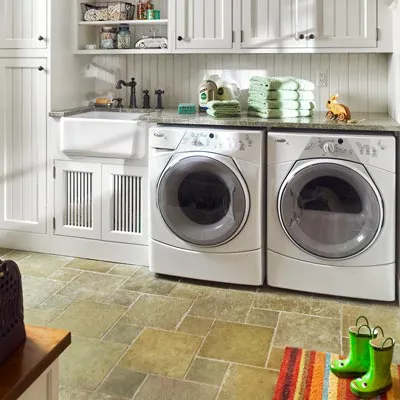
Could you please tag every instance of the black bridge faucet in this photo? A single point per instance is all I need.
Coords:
(132, 84)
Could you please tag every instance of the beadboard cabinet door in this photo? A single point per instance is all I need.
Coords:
(273, 23)
(124, 204)
(23, 120)
(203, 24)
(341, 23)
(77, 200)
(23, 24)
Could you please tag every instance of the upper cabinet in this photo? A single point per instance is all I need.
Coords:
(269, 24)
(338, 23)
(203, 24)
(23, 24)
(308, 23)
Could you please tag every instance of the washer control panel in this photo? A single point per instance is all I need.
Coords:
(244, 144)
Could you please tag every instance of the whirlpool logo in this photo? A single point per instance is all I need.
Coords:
(280, 140)
(158, 134)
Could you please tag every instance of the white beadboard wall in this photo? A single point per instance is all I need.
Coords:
(360, 79)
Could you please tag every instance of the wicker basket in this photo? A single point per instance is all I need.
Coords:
(108, 11)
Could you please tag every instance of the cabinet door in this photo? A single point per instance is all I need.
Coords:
(203, 24)
(77, 200)
(342, 23)
(124, 215)
(23, 116)
(272, 23)
(22, 24)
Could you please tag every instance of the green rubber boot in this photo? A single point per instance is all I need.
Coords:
(378, 379)
(357, 361)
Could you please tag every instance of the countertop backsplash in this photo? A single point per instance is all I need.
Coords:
(360, 79)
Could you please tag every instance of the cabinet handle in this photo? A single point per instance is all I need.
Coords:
(311, 36)
(301, 36)
(180, 38)
(40, 38)
(40, 68)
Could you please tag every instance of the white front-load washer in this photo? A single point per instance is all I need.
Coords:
(331, 213)
(206, 203)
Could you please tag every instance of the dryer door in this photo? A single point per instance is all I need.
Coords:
(330, 209)
(202, 200)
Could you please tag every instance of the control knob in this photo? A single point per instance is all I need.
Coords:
(329, 147)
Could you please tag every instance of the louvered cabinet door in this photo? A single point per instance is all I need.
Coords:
(23, 24)
(124, 214)
(77, 199)
(23, 119)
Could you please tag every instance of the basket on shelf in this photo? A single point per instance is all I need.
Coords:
(107, 11)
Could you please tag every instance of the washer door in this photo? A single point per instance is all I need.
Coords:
(202, 200)
(329, 209)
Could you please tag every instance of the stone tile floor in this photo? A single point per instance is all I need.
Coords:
(145, 337)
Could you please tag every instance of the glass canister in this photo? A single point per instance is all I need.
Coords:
(108, 37)
(124, 37)
(150, 14)
(141, 10)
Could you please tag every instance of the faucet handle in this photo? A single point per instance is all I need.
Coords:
(119, 102)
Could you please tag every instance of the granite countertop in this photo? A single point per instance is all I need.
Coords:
(361, 121)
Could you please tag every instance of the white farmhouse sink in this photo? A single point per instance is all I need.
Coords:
(103, 134)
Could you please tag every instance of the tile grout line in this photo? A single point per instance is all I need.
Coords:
(140, 386)
(251, 306)
(128, 346)
(199, 348)
(225, 377)
(272, 340)
(120, 318)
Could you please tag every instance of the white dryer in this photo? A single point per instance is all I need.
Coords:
(206, 203)
(331, 213)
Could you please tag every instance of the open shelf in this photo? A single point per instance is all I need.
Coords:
(127, 22)
(122, 51)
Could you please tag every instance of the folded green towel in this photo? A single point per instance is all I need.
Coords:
(275, 113)
(223, 104)
(280, 94)
(222, 114)
(282, 104)
(282, 82)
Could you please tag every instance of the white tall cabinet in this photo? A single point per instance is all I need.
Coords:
(23, 123)
(23, 116)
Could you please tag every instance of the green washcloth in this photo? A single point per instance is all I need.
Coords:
(275, 113)
(282, 82)
(222, 114)
(217, 104)
(282, 104)
(281, 94)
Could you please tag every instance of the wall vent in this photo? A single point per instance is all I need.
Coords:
(127, 204)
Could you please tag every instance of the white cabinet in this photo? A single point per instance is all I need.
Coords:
(268, 24)
(23, 116)
(77, 200)
(340, 23)
(308, 23)
(124, 189)
(203, 24)
(101, 201)
(23, 24)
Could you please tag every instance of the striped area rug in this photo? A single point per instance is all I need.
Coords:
(305, 375)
